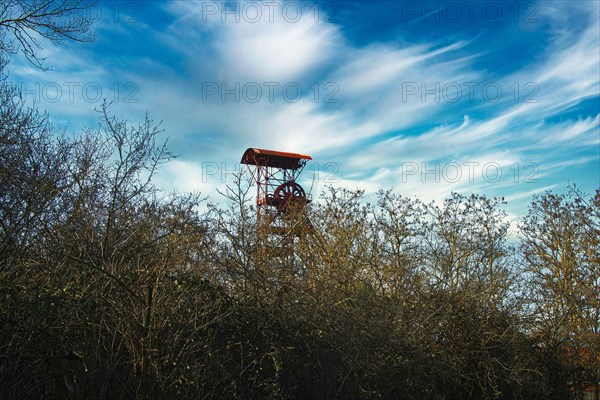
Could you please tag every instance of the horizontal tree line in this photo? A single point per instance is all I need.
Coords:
(112, 288)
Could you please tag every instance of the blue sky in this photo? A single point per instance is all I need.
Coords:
(493, 97)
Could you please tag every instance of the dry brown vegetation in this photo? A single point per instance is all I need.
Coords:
(111, 288)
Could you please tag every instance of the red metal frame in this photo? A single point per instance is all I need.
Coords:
(275, 159)
(273, 168)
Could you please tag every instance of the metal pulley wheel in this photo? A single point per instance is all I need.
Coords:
(288, 192)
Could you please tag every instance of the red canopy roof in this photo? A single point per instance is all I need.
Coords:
(272, 158)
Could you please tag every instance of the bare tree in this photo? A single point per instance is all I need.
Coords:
(465, 245)
(397, 229)
(31, 172)
(561, 250)
(24, 23)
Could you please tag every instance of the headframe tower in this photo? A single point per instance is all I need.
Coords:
(279, 197)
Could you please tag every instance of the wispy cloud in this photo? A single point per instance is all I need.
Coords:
(373, 108)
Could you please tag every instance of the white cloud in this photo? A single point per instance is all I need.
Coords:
(375, 126)
(276, 52)
(183, 176)
(275, 47)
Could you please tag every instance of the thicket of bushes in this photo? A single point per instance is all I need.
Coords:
(110, 288)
